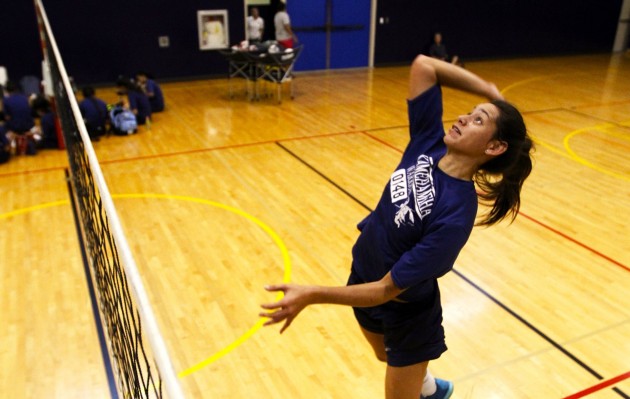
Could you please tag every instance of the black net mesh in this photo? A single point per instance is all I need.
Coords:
(137, 374)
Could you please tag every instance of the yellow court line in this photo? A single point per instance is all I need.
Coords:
(286, 278)
(285, 253)
(22, 211)
(238, 342)
(275, 237)
(536, 139)
(525, 81)
(602, 128)
(570, 154)
(550, 147)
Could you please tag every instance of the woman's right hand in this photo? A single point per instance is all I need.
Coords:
(286, 309)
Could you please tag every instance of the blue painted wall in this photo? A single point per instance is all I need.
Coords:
(349, 38)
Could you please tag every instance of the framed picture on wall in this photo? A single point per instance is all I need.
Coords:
(213, 29)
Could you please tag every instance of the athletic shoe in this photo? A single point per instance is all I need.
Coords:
(444, 390)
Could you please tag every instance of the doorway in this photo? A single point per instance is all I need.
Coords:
(335, 33)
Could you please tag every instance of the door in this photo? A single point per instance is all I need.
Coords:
(335, 33)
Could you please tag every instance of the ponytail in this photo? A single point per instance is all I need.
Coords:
(500, 180)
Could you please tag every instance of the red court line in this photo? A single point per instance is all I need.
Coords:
(198, 150)
(385, 143)
(185, 152)
(600, 386)
(226, 147)
(558, 232)
(33, 171)
(573, 240)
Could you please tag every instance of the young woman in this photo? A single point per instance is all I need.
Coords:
(420, 224)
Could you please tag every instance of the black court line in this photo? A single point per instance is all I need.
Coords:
(111, 381)
(347, 193)
(503, 306)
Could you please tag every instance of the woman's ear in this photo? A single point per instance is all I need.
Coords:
(496, 147)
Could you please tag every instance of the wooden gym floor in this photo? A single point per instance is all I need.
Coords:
(222, 196)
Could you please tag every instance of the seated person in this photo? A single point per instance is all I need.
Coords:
(17, 110)
(152, 90)
(438, 50)
(134, 99)
(47, 126)
(31, 86)
(94, 112)
(19, 120)
(5, 144)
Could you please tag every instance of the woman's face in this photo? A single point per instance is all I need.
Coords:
(473, 133)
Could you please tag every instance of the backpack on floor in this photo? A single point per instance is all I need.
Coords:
(123, 121)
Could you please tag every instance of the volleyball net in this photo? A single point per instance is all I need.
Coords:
(141, 365)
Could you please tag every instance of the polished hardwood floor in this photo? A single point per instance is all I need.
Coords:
(224, 195)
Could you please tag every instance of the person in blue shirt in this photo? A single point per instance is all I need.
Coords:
(5, 144)
(422, 221)
(438, 50)
(17, 110)
(135, 99)
(152, 90)
(94, 112)
(47, 125)
(19, 122)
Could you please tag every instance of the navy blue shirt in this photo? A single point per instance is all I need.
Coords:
(424, 216)
(140, 102)
(94, 111)
(156, 98)
(18, 112)
(49, 131)
(4, 140)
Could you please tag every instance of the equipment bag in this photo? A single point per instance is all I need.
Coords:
(123, 121)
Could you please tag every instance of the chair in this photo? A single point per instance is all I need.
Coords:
(277, 68)
(240, 65)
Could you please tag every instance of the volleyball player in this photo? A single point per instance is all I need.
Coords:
(422, 221)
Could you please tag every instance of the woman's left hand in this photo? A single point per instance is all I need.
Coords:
(494, 93)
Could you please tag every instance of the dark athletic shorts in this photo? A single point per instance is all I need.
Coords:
(412, 331)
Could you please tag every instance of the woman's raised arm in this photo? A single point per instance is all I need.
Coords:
(427, 71)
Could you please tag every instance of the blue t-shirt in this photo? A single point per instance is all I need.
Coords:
(424, 216)
(139, 101)
(156, 98)
(18, 111)
(49, 131)
(4, 140)
(94, 111)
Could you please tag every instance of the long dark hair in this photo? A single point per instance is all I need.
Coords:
(500, 180)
